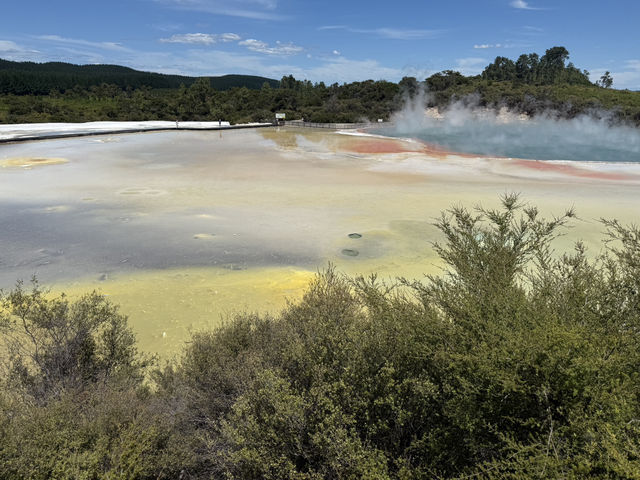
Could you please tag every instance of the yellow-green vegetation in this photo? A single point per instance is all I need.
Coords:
(515, 363)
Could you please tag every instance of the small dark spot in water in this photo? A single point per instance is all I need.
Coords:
(103, 277)
(355, 235)
(350, 252)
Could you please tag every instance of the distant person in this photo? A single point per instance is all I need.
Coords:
(219, 123)
(176, 123)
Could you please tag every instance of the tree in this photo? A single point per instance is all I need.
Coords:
(555, 57)
(289, 83)
(605, 80)
(552, 64)
(502, 69)
(527, 68)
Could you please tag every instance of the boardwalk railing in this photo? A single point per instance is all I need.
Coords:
(334, 126)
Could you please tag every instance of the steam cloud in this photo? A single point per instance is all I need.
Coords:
(465, 127)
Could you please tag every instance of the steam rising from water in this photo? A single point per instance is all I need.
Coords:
(472, 129)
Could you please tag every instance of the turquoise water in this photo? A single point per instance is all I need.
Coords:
(582, 139)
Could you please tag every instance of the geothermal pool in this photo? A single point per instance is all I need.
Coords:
(182, 229)
(505, 134)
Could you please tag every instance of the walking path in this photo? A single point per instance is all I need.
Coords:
(41, 131)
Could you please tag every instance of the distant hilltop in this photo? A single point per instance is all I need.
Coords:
(29, 78)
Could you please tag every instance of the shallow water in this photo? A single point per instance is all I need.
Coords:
(184, 228)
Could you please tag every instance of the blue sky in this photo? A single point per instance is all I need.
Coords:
(328, 40)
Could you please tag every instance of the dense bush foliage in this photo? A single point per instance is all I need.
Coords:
(515, 363)
(317, 103)
(70, 93)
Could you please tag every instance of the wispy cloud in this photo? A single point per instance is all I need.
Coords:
(281, 49)
(333, 27)
(253, 9)
(201, 38)
(522, 5)
(386, 32)
(12, 51)
(483, 46)
(84, 43)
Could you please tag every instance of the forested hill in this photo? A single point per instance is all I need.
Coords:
(532, 84)
(29, 78)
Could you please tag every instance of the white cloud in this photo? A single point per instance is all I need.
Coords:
(336, 52)
(488, 45)
(519, 4)
(229, 37)
(471, 65)
(191, 38)
(282, 49)
(254, 9)
(85, 43)
(201, 38)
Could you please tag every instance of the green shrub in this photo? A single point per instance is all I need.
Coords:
(515, 363)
